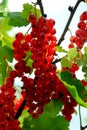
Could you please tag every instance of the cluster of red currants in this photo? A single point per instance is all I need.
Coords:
(81, 34)
(45, 86)
(7, 112)
(39, 89)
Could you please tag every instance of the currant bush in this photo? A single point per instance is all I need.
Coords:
(39, 46)
(45, 86)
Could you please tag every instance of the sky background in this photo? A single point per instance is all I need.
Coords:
(58, 10)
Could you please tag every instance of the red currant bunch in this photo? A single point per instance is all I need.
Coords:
(81, 34)
(7, 119)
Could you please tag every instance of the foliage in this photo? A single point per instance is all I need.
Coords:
(6, 54)
(41, 123)
(75, 87)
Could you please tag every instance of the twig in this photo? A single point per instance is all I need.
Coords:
(39, 2)
(69, 21)
(80, 118)
(83, 128)
(56, 61)
(20, 109)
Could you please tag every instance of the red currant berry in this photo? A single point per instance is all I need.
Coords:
(32, 18)
(82, 25)
(83, 16)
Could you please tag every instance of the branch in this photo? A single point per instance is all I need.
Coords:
(83, 128)
(20, 109)
(73, 10)
(56, 61)
(80, 118)
(39, 2)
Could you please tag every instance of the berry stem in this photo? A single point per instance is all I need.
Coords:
(28, 30)
(69, 21)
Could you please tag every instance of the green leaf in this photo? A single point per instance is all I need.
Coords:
(16, 20)
(29, 9)
(4, 27)
(60, 49)
(29, 61)
(85, 77)
(84, 69)
(45, 122)
(66, 62)
(85, 49)
(6, 53)
(37, 12)
(7, 40)
(24, 115)
(2, 71)
(28, 54)
(74, 86)
(0, 42)
(3, 4)
(85, 57)
(53, 108)
(80, 62)
(72, 53)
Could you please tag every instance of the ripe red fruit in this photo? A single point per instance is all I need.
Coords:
(32, 18)
(83, 16)
(80, 33)
(50, 22)
(19, 36)
(82, 25)
(71, 45)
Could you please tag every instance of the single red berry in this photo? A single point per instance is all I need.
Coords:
(71, 45)
(80, 33)
(32, 18)
(41, 21)
(82, 25)
(72, 38)
(35, 115)
(50, 22)
(19, 36)
(83, 16)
